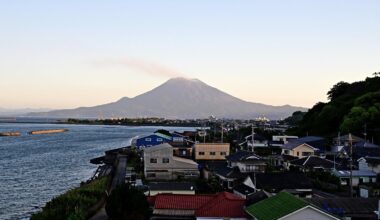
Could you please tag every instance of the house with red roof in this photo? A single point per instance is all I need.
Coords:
(223, 205)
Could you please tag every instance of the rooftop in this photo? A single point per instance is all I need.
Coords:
(281, 181)
(354, 207)
(355, 173)
(313, 141)
(276, 206)
(242, 155)
(313, 161)
(223, 205)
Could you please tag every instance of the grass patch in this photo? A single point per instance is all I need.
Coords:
(75, 203)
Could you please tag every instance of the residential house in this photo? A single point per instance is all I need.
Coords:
(249, 194)
(347, 208)
(229, 177)
(299, 150)
(369, 163)
(152, 140)
(220, 206)
(281, 161)
(159, 163)
(246, 161)
(358, 176)
(179, 188)
(286, 206)
(305, 146)
(295, 183)
(182, 145)
(211, 151)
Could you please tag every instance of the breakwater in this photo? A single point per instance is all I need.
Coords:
(49, 131)
(5, 134)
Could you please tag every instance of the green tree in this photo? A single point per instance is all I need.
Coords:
(337, 90)
(126, 202)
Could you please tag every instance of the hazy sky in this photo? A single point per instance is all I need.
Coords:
(64, 54)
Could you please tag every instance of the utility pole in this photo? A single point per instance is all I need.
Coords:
(253, 138)
(222, 132)
(365, 134)
(350, 140)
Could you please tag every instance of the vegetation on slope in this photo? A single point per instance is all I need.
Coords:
(126, 202)
(75, 203)
(352, 107)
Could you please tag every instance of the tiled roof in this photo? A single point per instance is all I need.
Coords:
(223, 204)
(313, 141)
(231, 173)
(365, 144)
(355, 173)
(276, 206)
(242, 155)
(313, 161)
(355, 207)
(280, 181)
(173, 201)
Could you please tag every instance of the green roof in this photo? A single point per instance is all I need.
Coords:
(276, 206)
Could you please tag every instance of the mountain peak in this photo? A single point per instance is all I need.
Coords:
(180, 98)
(183, 79)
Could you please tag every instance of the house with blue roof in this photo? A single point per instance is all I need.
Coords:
(151, 140)
(158, 137)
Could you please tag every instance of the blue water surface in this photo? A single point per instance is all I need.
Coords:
(36, 168)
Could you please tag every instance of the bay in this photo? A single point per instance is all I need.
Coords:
(36, 168)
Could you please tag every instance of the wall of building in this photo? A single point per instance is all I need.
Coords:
(308, 214)
(300, 150)
(160, 164)
(211, 151)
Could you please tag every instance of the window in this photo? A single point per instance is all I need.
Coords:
(298, 153)
(306, 154)
(153, 160)
(212, 153)
(159, 139)
(223, 153)
(165, 160)
(148, 139)
(201, 153)
(177, 139)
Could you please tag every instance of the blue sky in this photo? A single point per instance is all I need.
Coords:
(81, 53)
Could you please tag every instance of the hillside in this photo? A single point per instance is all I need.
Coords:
(178, 98)
(352, 107)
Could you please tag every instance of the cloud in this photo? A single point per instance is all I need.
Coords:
(147, 67)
